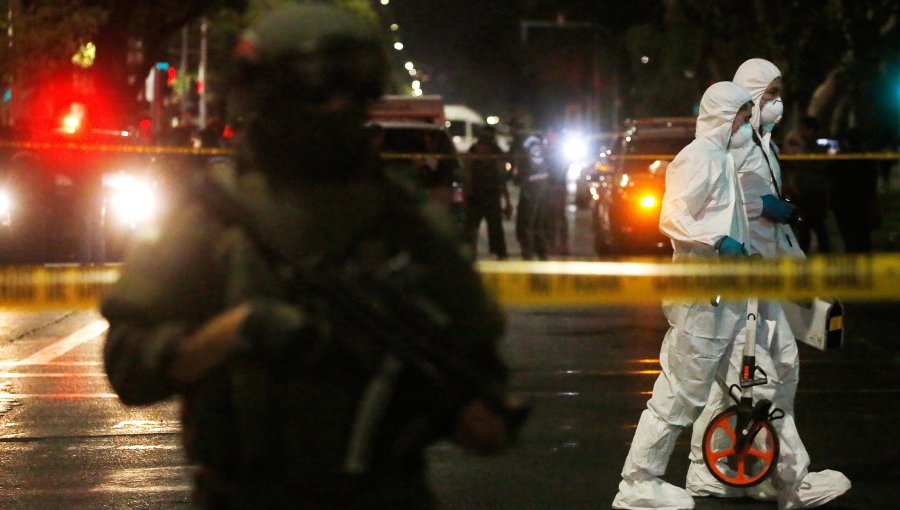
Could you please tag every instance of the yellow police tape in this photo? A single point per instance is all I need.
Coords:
(206, 151)
(870, 156)
(54, 287)
(639, 281)
(875, 277)
(124, 148)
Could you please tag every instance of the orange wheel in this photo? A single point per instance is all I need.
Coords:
(744, 468)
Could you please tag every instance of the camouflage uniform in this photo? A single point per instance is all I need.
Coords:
(280, 424)
(269, 436)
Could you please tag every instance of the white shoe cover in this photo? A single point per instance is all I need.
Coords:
(700, 482)
(651, 494)
(764, 491)
(815, 490)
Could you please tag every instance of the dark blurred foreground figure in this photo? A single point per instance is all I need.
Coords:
(320, 328)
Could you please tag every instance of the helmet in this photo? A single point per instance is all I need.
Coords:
(311, 51)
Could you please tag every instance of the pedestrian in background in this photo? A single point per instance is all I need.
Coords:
(320, 329)
(437, 170)
(487, 197)
(557, 196)
(808, 186)
(527, 154)
(854, 197)
(703, 215)
(211, 134)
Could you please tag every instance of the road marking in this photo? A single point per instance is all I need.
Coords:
(56, 396)
(20, 375)
(57, 349)
(56, 363)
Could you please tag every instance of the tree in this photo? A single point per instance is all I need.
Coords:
(838, 58)
(47, 33)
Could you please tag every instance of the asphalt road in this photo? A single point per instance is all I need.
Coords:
(67, 443)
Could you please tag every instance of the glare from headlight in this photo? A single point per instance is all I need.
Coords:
(5, 203)
(133, 201)
(648, 201)
(575, 149)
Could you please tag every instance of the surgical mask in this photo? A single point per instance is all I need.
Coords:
(742, 137)
(770, 114)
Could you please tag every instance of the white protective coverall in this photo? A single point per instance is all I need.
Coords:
(701, 205)
(776, 348)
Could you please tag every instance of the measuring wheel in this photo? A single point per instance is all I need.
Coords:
(735, 461)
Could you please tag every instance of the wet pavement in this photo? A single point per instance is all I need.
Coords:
(67, 443)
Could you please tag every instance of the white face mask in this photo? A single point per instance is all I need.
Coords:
(770, 114)
(742, 137)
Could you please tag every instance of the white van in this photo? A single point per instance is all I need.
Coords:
(464, 125)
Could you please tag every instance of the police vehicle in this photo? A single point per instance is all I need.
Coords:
(627, 192)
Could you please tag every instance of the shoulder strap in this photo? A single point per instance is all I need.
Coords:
(758, 143)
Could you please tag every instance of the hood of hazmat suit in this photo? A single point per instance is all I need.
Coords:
(755, 75)
(758, 168)
(703, 200)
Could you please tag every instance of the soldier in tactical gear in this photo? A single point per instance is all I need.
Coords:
(320, 327)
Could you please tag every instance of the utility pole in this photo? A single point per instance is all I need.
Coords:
(182, 72)
(594, 107)
(13, 15)
(201, 75)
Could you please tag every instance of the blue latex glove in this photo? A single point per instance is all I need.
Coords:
(778, 210)
(730, 247)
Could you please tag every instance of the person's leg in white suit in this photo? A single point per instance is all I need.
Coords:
(695, 349)
(792, 484)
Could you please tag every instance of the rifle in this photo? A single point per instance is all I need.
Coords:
(375, 301)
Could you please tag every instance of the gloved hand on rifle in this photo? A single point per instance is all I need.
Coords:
(484, 430)
(277, 332)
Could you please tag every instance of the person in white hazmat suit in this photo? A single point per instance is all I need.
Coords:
(702, 213)
(776, 349)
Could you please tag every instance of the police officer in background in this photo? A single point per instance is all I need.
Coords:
(487, 197)
(274, 305)
(530, 175)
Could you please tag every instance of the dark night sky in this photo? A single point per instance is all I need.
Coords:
(470, 46)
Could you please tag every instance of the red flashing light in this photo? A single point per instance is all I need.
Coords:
(71, 123)
(227, 132)
(199, 86)
(170, 76)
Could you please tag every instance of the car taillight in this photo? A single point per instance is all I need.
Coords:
(648, 201)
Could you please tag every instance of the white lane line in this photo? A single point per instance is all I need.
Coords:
(56, 396)
(56, 363)
(40, 375)
(64, 345)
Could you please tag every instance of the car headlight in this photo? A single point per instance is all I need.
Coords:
(132, 200)
(575, 149)
(5, 202)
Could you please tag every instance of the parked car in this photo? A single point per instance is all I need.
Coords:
(79, 199)
(628, 194)
(593, 167)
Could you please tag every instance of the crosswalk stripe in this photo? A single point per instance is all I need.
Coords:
(64, 345)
